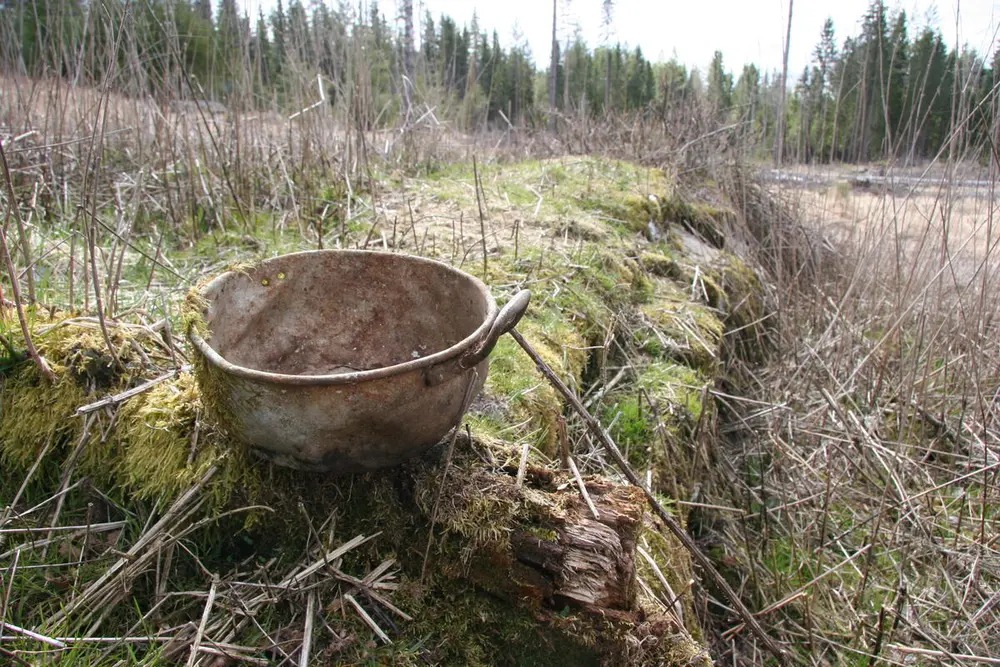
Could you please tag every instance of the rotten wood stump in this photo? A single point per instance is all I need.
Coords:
(567, 557)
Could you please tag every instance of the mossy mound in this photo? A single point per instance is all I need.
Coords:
(478, 600)
(633, 314)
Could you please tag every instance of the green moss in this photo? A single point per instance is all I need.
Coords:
(678, 386)
(459, 625)
(634, 429)
(523, 393)
(34, 410)
(637, 212)
(659, 424)
(519, 194)
(591, 300)
(587, 230)
(662, 265)
(194, 310)
(167, 444)
(677, 328)
(743, 299)
(699, 219)
(483, 519)
(574, 303)
(580, 197)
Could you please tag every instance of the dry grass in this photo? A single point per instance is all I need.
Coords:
(868, 471)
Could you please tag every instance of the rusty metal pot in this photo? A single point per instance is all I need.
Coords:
(343, 360)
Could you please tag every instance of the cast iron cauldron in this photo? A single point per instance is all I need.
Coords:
(344, 360)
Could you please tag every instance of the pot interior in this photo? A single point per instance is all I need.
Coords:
(328, 312)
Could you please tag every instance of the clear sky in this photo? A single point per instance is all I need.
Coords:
(744, 30)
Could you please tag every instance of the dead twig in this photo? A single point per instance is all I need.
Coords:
(138, 554)
(68, 468)
(522, 466)
(8, 587)
(582, 487)
(473, 377)
(134, 391)
(482, 221)
(196, 644)
(369, 621)
(24, 632)
(14, 656)
(944, 655)
(95, 279)
(307, 631)
(12, 272)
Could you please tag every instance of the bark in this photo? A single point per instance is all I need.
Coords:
(566, 103)
(553, 69)
(585, 562)
(779, 145)
(408, 55)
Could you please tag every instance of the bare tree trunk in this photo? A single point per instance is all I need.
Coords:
(408, 56)
(470, 85)
(516, 109)
(553, 66)
(607, 84)
(607, 19)
(836, 116)
(779, 144)
(566, 104)
(956, 94)
(862, 117)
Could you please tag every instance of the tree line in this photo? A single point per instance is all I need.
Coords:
(878, 94)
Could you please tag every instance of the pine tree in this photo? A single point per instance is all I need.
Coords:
(779, 146)
(279, 30)
(895, 94)
(204, 10)
(720, 85)
(824, 59)
(924, 92)
(408, 55)
(429, 49)
(746, 95)
(607, 26)
(553, 69)
(876, 50)
(261, 55)
(229, 43)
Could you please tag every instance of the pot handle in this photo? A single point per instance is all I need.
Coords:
(506, 319)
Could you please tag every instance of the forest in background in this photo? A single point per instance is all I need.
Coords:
(893, 91)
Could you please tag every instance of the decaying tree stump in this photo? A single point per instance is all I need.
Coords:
(589, 562)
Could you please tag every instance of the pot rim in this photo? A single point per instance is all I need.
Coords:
(468, 343)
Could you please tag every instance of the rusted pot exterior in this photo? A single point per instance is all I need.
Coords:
(343, 360)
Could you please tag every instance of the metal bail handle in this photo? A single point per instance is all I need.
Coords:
(507, 319)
